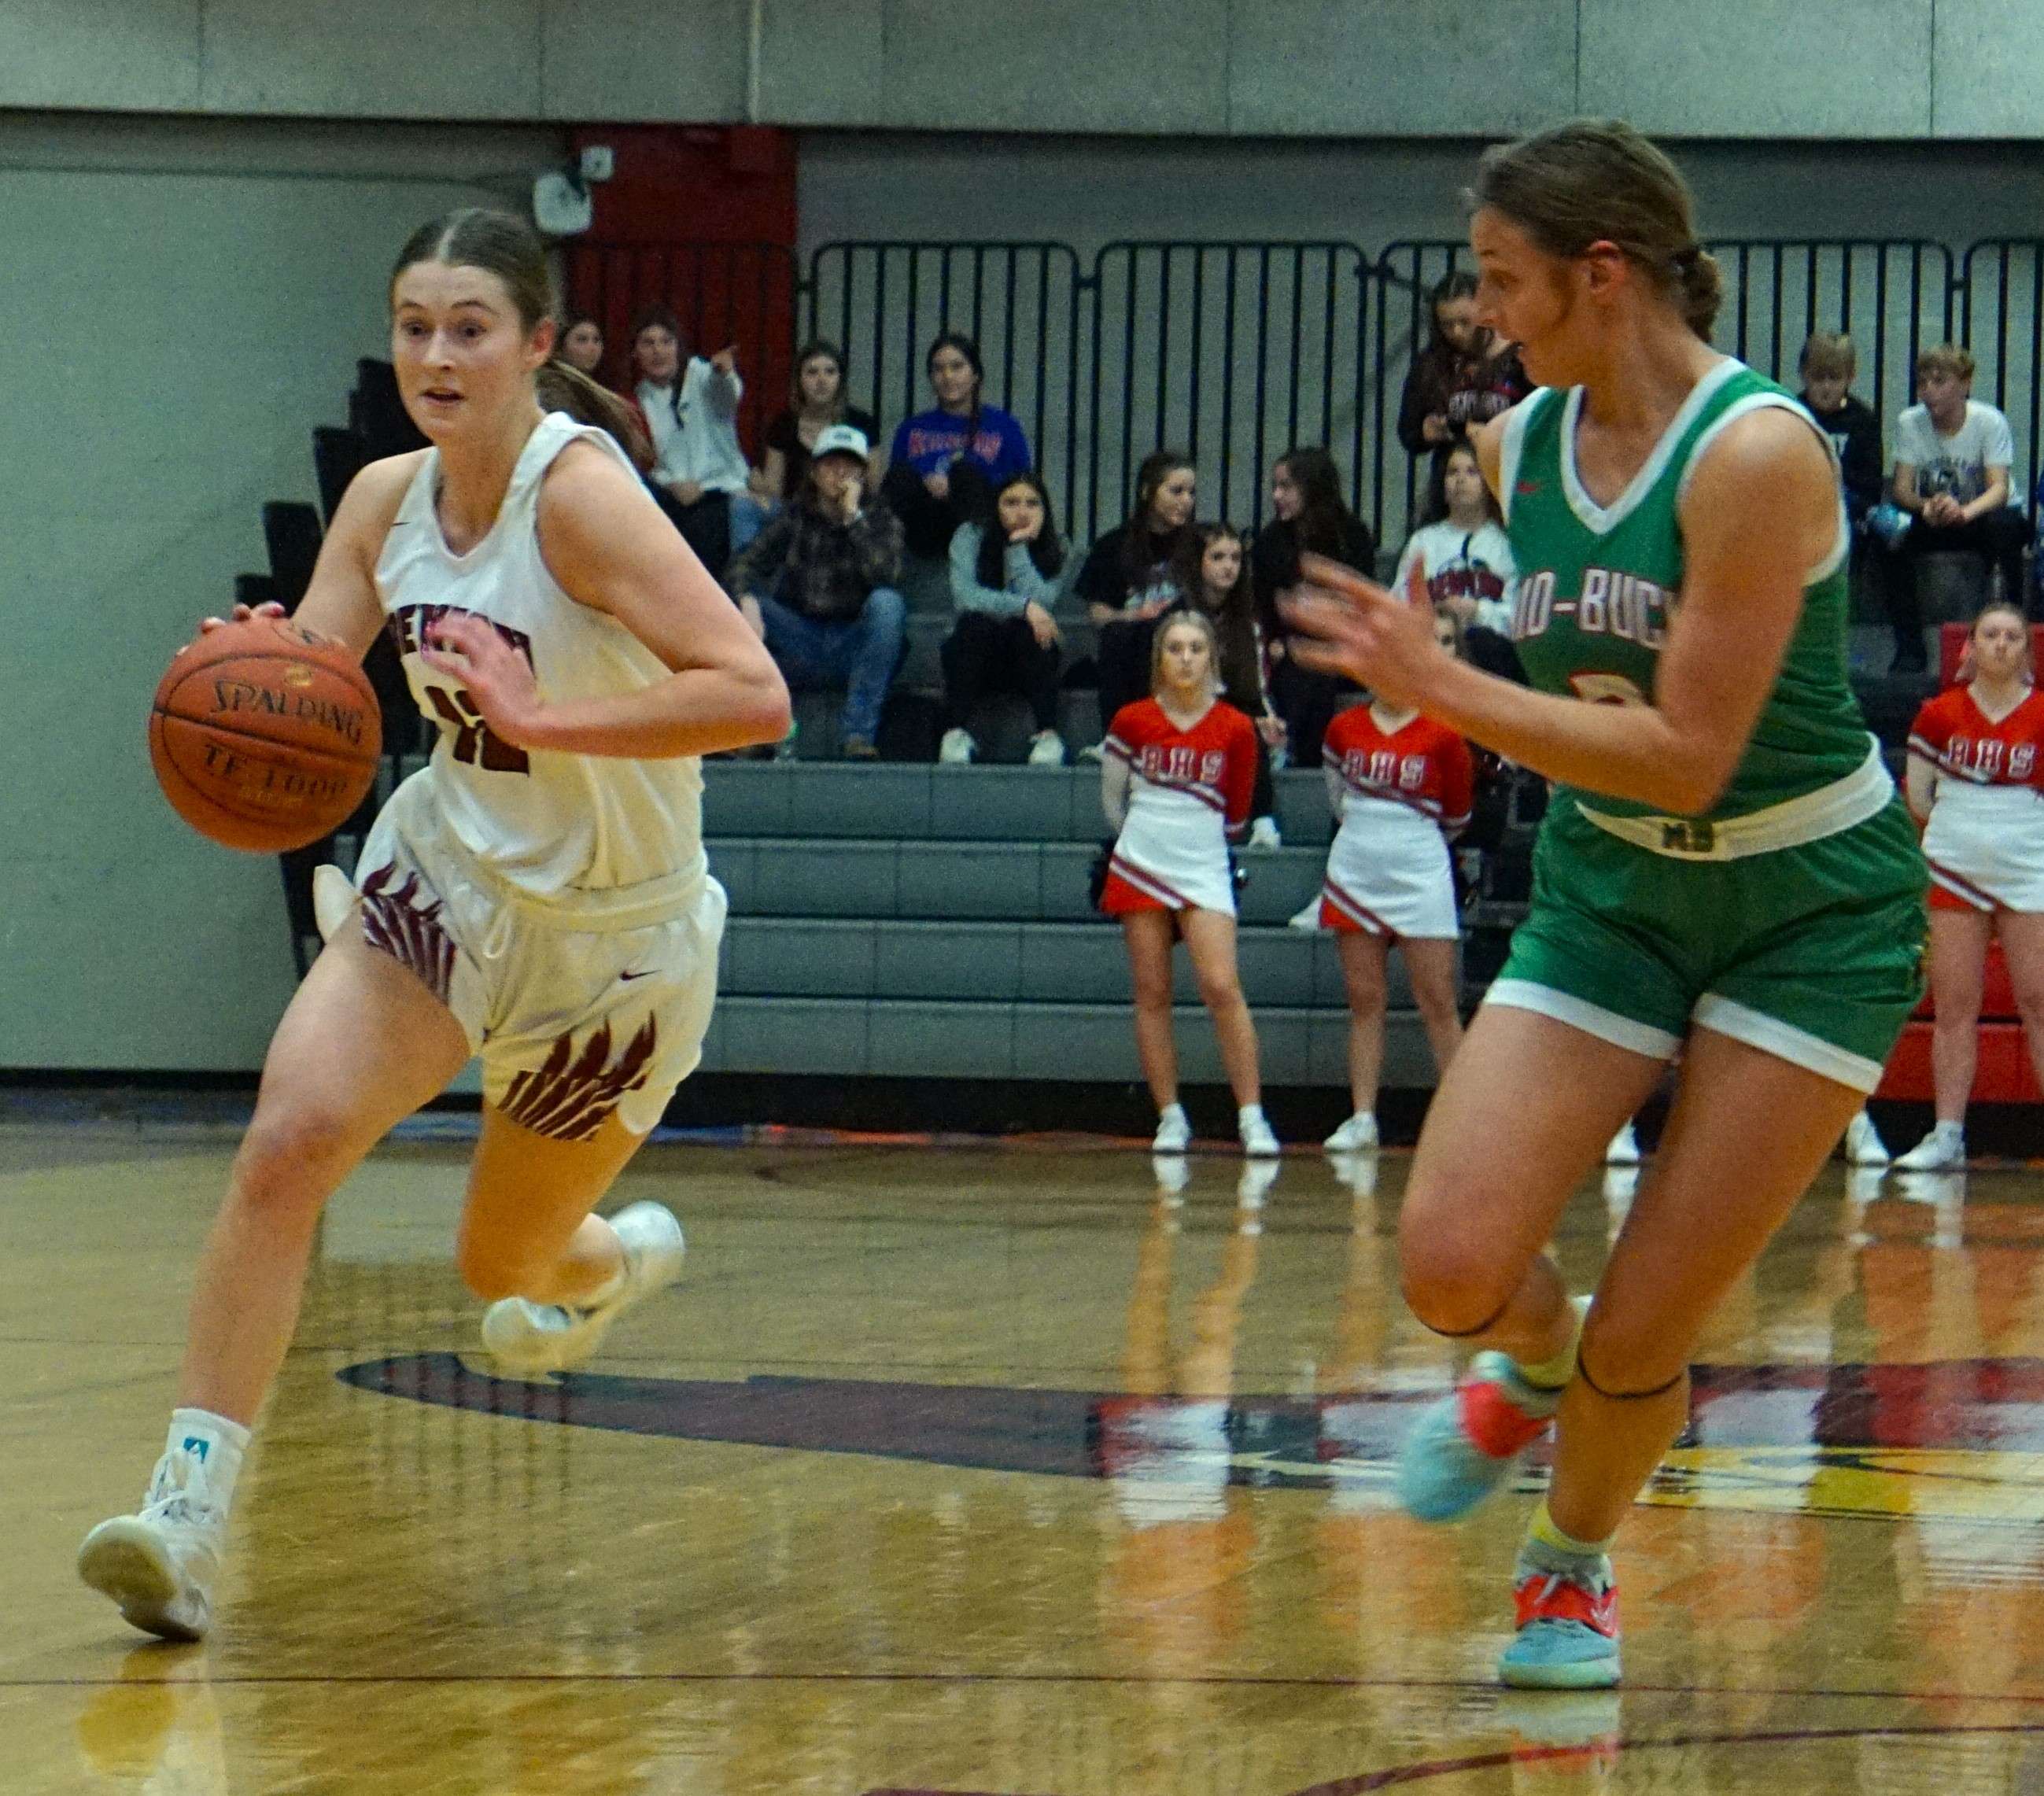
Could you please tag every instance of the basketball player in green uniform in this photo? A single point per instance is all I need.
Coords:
(1725, 872)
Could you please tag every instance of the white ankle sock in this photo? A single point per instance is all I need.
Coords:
(202, 1456)
(1248, 1114)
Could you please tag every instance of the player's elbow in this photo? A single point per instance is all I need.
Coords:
(771, 712)
(1692, 784)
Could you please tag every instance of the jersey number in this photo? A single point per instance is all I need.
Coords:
(473, 740)
(1606, 689)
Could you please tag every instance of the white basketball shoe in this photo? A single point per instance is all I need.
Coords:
(531, 1338)
(159, 1566)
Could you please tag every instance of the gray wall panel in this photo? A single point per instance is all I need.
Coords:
(681, 59)
(1985, 69)
(821, 62)
(197, 313)
(377, 58)
(1057, 65)
(1765, 68)
(141, 55)
(1373, 67)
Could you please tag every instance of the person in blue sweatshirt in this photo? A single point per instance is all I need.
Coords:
(947, 462)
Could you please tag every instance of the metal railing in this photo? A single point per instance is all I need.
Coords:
(1236, 351)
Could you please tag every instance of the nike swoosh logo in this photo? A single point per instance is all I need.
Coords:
(1526, 487)
(645, 972)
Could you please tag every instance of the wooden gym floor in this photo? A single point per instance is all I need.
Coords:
(1000, 1472)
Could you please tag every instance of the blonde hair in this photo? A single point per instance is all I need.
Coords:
(1947, 358)
(1828, 355)
(1597, 180)
(1193, 620)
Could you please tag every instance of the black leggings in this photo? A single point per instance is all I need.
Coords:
(1999, 535)
(1122, 653)
(986, 654)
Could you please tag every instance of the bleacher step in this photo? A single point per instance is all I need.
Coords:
(1009, 962)
(846, 1037)
(1020, 881)
(916, 802)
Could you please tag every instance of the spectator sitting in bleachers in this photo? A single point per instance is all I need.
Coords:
(692, 413)
(1462, 558)
(1128, 582)
(1310, 517)
(817, 584)
(947, 461)
(1462, 376)
(1952, 458)
(815, 402)
(1827, 365)
(1004, 573)
(1212, 573)
(581, 344)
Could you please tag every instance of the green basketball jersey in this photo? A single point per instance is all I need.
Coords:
(1599, 586)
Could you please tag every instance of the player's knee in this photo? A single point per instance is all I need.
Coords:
(293, 1156)
(1625, 1356)
(1451, 1285)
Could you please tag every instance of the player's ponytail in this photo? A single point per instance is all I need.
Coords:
(563, 388)
(1597, 180)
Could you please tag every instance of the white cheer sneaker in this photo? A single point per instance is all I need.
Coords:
(1864, 1146)
(159, 1567)
(1942, 1150)
(531, 1338)
(1174, 1130)
(1356, 1135)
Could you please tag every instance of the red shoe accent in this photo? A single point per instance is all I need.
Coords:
(1495, 1425)
(1543, 1596)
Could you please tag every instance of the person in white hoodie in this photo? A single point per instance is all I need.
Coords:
(1462, 555)
(691, 412)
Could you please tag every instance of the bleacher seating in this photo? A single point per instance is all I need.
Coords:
(934, 922)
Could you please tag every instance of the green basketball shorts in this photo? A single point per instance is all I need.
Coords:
(1814, 953)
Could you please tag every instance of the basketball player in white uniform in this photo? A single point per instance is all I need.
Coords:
(537, 895)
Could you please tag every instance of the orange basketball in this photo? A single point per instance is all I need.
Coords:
(264, 737)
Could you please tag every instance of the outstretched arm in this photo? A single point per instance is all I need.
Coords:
(1762, 510)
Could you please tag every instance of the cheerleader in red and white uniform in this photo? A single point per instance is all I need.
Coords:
(1176, 773)
(1401, 786)
(1976, 763)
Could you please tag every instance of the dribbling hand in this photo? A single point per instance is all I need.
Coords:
(1348, 624)
(240, 615)
(498, 680)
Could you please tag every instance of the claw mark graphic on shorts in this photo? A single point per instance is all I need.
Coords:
(570, 1097)
(408, 930)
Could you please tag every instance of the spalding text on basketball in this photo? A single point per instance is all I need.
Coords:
(343, 720)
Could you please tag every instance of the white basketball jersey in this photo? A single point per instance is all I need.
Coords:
(552, 824)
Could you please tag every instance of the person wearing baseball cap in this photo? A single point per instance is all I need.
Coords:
(818, 585)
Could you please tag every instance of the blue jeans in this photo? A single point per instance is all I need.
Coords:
(748, 518)
(861, 651)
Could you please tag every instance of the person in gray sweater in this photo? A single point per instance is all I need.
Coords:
(1005, 571)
